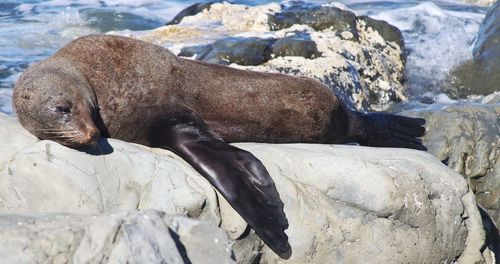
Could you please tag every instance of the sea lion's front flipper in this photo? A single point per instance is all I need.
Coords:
(238, 175)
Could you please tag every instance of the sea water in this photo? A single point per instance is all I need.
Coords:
(439, 35)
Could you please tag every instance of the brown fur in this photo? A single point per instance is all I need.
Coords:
(134, 84)
(139, 92)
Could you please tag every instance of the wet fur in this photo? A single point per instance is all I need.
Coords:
(237, 105)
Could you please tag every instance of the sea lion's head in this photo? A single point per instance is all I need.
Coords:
(54, 101)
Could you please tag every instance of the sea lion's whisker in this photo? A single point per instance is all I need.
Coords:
(47, 129)
(60, 137)
(62, 132)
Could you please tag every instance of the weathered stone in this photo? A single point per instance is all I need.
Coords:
(148, 237)
(314, 16)
(346, 204)
(387, 31)
(481, 75)
(242, 51)
(252, 51)
(298, 44)
(466, 137)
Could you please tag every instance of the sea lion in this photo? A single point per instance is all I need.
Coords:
(119, 87)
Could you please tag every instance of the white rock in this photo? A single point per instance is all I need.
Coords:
(149, 237)
(470, 145)
(346, 204)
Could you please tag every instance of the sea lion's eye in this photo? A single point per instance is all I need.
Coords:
(63, 109)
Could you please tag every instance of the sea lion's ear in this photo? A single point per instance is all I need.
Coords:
(237, 174)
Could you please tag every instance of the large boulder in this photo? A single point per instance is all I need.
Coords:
(469, 144)
(346, 204)
(359, 58)
(481, 75)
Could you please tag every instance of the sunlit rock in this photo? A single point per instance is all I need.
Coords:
(348, 204)
(466, 137)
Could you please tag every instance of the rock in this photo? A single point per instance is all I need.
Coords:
(359, 58)
(243, 51)
(481, 75)
(492, 235)
(350, 204)
(383, 195)
(298, 44)
(317, 17)
(469, 145)
(387, 31)
(252, 51)
(147, 237)
(190, 11)
(106, 20)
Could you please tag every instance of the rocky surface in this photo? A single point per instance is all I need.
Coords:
(133, 237)
(467, 138)
(481, 75)
(359, 58)
(345, 203)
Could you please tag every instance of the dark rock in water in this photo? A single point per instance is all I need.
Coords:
(253, 51)
(242, 51)
(299, 44)
(195, 52)
(108, 20)
(482, 74)
(317, 17)
(191, 11)
(489, 33)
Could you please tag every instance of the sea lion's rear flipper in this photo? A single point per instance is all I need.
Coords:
(238, 175)
(385, 130)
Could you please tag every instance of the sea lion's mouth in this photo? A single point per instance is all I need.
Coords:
(88, 138)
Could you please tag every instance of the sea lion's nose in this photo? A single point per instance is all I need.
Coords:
(92, 135)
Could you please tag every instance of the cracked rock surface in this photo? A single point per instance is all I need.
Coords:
(350, 204)
(133, 237)
(467, 138)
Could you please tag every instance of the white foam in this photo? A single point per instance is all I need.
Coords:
(438, 40)
(337, 5)
(133, 2)
(25, 7)
(444, 99)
